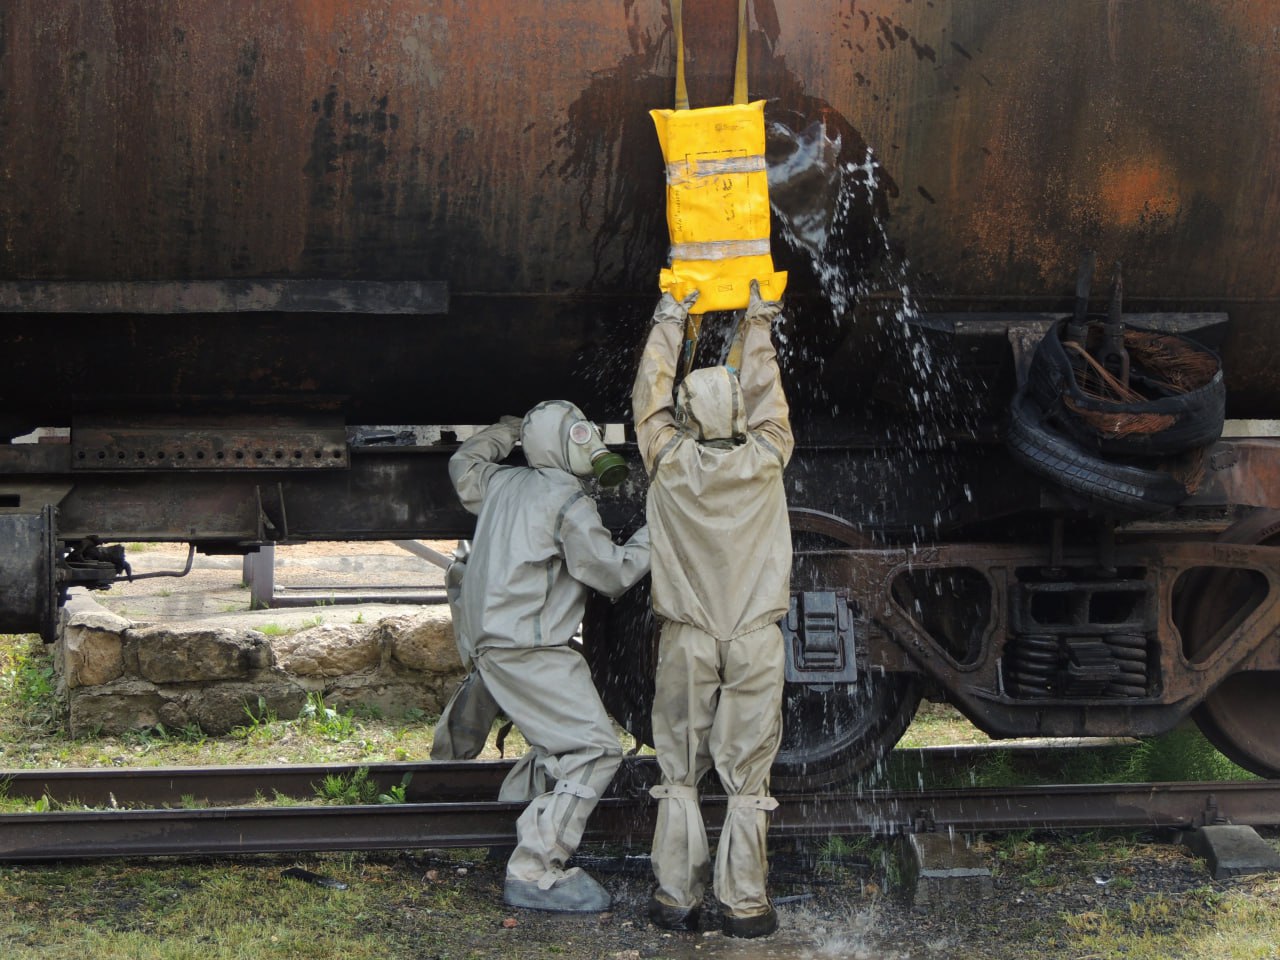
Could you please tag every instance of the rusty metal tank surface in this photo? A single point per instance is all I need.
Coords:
(507, 151)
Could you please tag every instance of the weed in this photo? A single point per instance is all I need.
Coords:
(27, 680)
(357, 788)
(348, 789)
(396, 794)
(272, 630)
(331, 724)
(151, 737)
(259, 720)
(835, 853)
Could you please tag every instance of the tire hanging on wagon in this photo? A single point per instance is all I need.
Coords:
(1122, 445)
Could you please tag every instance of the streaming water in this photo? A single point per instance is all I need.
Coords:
(831, 213)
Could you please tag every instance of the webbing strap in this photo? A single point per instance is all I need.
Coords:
(740, 67)
(751, 801)
(740, 70)
(580, 790)
(682, 92)
(673, 791)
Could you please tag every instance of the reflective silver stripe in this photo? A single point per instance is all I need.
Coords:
(681, 171)
(666, 448)
(720, 249)
(770, 447)
(572, 806)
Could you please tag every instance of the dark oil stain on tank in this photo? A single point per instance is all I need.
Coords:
(244, 103)
(366, 217)
(610, 121)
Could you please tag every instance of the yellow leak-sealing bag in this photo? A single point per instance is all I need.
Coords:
(717, 192)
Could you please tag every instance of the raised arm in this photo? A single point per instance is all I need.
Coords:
(479, 458)
(768, 416)
(652, 405)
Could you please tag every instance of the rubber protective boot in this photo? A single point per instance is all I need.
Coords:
(570, 891)
(673, 918)
(749, 927)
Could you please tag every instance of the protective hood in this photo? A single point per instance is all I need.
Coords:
(544, 435)
(558, 434)
(709, 403)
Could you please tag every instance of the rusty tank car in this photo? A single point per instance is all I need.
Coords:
(236, 231)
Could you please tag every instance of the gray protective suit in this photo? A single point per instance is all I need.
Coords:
(539, 546)
(721, 578)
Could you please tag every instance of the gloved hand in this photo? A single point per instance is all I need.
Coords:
(513, 424)
(671, 310)
(766, 311)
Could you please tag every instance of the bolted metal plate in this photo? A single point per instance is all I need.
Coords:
(232, 443)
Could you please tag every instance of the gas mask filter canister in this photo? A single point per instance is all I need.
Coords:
(589, 455)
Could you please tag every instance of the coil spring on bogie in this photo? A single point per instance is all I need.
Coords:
(1111, 666)
(1031, 664)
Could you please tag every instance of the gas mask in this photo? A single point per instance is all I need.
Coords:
(588, 455)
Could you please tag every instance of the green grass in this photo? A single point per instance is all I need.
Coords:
(1241, 923)
(224, 910)
(27, 682)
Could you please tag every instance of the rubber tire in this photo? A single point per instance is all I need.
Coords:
(1198, 414)
(620, 645)
(1112, 487)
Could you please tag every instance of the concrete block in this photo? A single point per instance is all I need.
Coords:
(1232, 851)
(940, 868)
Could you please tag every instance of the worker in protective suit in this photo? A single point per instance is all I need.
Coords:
(539, 546)
(721, 542)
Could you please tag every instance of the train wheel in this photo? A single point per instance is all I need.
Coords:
(1241, 716)
(830, 735)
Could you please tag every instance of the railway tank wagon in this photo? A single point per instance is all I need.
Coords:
(234, 231)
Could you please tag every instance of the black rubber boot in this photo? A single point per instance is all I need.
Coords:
(746, 928)
(673, 918)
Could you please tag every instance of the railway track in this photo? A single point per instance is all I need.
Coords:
(451, 806)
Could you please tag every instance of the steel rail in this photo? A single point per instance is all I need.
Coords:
(428, 782)
(227, 831)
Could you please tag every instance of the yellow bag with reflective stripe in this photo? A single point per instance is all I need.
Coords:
(717, 192)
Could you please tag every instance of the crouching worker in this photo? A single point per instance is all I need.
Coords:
(539, 546)
(717, 514)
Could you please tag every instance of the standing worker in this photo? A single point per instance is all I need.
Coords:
(539, 546)
(721, 579)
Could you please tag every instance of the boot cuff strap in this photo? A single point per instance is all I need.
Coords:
(674, 791)
(752, 801)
